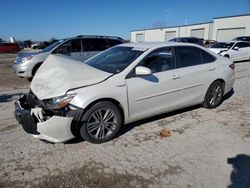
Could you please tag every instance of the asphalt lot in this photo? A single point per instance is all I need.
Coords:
(207, 148)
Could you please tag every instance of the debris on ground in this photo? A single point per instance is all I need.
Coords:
(165, 133)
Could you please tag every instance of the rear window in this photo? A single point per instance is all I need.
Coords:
(207, 57)
(190, 56)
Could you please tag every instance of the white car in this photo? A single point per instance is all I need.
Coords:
(118, 86)
(79, 48)
(235, 50)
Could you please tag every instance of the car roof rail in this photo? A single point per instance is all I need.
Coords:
(99, 36)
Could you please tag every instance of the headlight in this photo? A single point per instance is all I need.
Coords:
(27, 58)
(59, 102)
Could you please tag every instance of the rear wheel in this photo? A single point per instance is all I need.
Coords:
(101, 122)
(227, 56)
(214, 95)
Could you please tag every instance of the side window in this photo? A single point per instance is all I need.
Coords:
(95, 44)
(160, 60)
(113, 42)
(63, 48)
(241, 45)
(188, 56)
(207, 57)
(76, 45)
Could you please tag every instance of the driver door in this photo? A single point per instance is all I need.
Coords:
(152, 94)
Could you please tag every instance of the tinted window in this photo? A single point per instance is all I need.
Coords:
(242, 44)
(207, 57)
(95, 44)
(76, 45)
(113, 42)
(160, 60)
(188, 56)
(219, 45)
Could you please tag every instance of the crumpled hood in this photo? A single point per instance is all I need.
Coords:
(58, 74)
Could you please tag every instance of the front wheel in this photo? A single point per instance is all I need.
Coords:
(101, 122)
(214, 95)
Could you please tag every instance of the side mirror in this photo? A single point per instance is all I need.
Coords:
(142, 71)
(236, 48)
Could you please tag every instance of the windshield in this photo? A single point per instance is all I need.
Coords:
(115, 60)
(53, 45)
(222, 45)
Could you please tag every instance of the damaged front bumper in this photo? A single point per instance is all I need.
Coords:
(54, 127)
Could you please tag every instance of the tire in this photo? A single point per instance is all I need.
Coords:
(214, 95)
(227, 56)
(13, 51)
(101, 122)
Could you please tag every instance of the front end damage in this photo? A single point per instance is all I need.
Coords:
(54, 125)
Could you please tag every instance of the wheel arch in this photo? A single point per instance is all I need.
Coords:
(114, 101)
(220, 80)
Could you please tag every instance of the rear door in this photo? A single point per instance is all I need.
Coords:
(197, 71)
(158, 92)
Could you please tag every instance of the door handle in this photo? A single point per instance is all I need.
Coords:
(211, 68)
(174, 77)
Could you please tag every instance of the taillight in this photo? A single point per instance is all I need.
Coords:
(232, 66)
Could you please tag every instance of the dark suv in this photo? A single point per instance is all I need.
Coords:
(243, 38)
(9, 48)
(193, 40)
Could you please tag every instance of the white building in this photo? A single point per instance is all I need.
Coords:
(220, 29)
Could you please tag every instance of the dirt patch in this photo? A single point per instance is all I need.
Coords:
(83, 177)
(8, 128)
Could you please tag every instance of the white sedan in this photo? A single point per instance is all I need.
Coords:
(235, 50)
(118, 86)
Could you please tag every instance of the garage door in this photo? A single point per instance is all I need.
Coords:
(228, 34)
(139, 38)
(199, 33)
(170, 35)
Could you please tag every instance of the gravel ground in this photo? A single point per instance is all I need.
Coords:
(206, 148)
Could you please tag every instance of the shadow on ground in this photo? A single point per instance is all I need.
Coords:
(240, 176)
(9, 97)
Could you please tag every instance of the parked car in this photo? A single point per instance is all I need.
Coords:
(120, 85)
(27, 43)
(9, 48)
(235, 50)
(218, 47)
(242, 38)
(193, 40)
(35, 45)
(79, 48)
(209, 43)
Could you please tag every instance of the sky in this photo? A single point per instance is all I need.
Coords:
(44, 19)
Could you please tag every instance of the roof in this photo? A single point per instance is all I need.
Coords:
(232, 16)
(153, 28)
(99, 36)
(149, 45)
